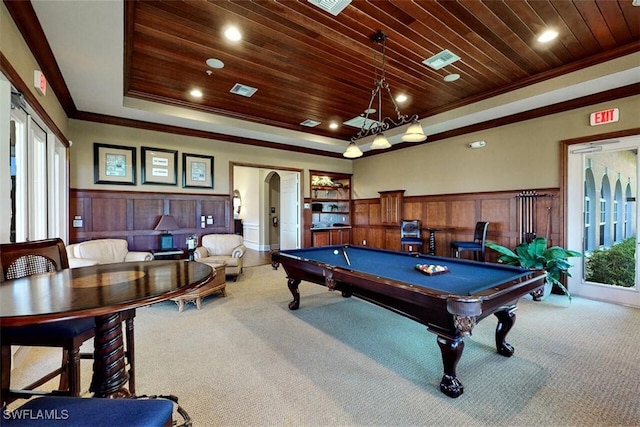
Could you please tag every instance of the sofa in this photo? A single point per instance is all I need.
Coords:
(225, 249)
(103, 251)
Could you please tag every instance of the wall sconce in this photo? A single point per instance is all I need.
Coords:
(237, 204)
(167, 223)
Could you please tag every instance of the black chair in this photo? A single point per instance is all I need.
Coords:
(37, 257)
(477, 246)
(410, 235)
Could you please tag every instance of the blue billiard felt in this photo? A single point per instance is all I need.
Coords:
(464, 277)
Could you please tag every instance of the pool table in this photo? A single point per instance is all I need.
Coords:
(449, 303)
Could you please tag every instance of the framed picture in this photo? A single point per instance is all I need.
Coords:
(197, 170)
(159, 166)
(114, 164)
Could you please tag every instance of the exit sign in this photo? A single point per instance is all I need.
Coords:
(611, 115)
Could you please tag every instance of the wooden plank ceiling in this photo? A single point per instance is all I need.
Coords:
(308, 64)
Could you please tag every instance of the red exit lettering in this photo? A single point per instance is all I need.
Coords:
(605, 116)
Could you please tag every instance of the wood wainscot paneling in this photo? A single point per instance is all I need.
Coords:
(459, 213)
(130, 215)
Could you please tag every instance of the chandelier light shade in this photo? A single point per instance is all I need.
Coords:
(353, 151)
(380, 142)
(414, 133)
(377, 126)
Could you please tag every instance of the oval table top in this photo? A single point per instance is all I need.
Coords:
(96, 290)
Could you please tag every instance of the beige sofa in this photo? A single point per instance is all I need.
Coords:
(225, 249)
(103, 251)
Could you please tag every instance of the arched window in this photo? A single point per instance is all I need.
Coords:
(589, 210)
(605, 214)
(618, 213)
(628, 212)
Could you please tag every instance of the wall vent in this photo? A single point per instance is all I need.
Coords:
(243, 90)
(441, 59)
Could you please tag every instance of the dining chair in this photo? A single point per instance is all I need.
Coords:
(25, 259)
(410, 235)
(37, 257)
(477, 246)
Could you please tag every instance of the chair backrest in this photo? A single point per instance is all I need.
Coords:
(410, 228)
(28, 258)
(221, 244)
(480, 234)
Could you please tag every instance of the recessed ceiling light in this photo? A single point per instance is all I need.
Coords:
(233, 33)
(451, 77)
(196, 93)
(215, 63)
(401, 98)
(547, 36)
(333, 125)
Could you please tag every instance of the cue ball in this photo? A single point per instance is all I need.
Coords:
(335, 252)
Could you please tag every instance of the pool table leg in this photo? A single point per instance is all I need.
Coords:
(451, 350)
(506, 319)
(293, 288)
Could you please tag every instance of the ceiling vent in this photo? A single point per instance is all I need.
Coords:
(334, 7)
(359, 122)
(441, 59)
(310, 123)
(243, 90)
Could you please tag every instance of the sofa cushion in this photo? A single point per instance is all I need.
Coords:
(105, 251)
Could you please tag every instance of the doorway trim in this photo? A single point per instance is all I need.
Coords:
(300, 172)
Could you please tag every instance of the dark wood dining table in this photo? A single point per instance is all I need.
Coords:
(100, 291)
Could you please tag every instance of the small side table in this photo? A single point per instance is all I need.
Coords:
(218, 284)
(168, 254)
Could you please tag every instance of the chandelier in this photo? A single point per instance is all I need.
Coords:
(378, 126)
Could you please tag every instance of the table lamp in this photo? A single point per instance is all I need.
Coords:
(167, 223)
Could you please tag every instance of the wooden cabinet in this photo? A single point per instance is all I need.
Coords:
(330, 208)
(391, 207)
(340, 236)
(337, 236)
(321, 238)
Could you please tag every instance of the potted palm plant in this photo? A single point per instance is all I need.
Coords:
(537, 256)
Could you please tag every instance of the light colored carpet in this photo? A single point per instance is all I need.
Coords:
(247, 360)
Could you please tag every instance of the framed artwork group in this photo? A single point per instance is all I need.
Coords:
(115, 164)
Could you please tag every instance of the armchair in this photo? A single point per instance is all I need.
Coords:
(225, 249)
(103, 251)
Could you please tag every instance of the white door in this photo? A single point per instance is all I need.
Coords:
(602, 214)
(289, 210)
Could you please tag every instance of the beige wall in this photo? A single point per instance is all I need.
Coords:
(14, 48)
(524, 155)
(84, 134)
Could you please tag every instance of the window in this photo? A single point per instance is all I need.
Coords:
(37, 171)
